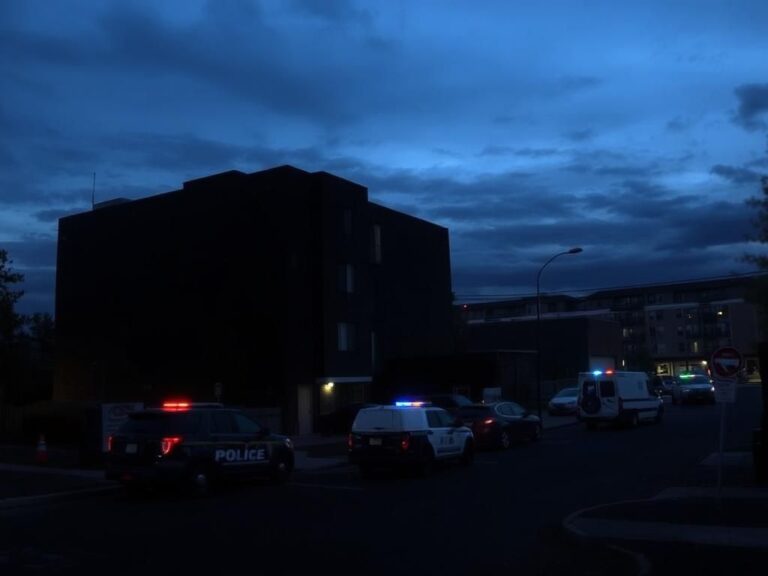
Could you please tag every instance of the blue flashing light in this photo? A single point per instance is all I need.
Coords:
(406, 403)
(597, 372)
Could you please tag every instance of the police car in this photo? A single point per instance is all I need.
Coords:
(408, 434)
(194, 444)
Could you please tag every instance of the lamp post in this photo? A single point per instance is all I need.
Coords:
(538, 322)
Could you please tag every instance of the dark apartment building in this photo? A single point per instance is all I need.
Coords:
(669, 328)
(280, 288)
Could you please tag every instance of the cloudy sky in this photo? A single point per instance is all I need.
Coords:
(636, 130)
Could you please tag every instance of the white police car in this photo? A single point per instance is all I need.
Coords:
(408, 434)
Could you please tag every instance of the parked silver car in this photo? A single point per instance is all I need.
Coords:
(564, 402)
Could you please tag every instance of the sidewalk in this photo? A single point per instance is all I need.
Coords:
(686, 530)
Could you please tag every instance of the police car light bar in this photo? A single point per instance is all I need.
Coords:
(176, 406)
(597, 372)
(409, 403)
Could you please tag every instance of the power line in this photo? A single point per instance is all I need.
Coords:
(512, 296)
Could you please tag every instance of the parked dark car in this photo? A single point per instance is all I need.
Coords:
(693, 388)
(340, 420)
(499, 424)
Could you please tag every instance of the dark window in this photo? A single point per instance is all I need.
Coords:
(433, 419)
(607, 389)
(517, 409)
(589, 388)
(346, 336)
(222, 423)
(347, 221)
(444, 418)
(472, 412)
(376, 244)
(346, 278)
(245, 425)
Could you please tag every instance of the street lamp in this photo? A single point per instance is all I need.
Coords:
(538, 322)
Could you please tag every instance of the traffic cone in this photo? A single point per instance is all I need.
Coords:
(42, 450)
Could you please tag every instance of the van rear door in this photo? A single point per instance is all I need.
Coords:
(608, 398)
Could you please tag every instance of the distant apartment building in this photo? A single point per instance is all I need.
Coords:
(278, 288)
(679, 325)
(669, 328)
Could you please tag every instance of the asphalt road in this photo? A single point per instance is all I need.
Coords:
(496, 517)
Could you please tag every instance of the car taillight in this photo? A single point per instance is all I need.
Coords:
(489, 421)
(350, 441)
(405, 442)
(109, 443)
(167, 444)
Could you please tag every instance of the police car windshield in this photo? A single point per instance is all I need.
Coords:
(161, 423)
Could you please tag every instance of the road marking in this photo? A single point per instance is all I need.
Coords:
(326, 486)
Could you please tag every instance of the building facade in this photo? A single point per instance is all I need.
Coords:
(666, 328)
(279, 288)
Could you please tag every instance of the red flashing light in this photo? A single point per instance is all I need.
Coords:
(168, 443)
(608, 372)
(176, 406)
(405, 442)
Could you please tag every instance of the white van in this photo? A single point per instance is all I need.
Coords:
(612, 396)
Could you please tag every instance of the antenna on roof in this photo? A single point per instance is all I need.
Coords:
(93, 192)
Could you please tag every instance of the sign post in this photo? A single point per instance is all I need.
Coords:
(726, 365)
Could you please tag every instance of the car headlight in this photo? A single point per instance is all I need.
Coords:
(711, 388)
(288, 444)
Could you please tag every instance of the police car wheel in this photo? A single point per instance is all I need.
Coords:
(281, 472)
(428, 462)
(504, 440)
(634, 420)
(200, 483)
(468, 455)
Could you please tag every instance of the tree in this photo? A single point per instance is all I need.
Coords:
(10, 321)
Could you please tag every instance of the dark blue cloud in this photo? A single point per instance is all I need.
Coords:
(753, 106)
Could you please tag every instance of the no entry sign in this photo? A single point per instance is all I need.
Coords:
(726, 362)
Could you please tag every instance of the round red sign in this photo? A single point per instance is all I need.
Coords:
(726, 362)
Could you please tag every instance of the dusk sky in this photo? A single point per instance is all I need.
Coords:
(636, 130)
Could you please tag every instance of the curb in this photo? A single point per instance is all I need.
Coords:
(642, 564)
(24, 501)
